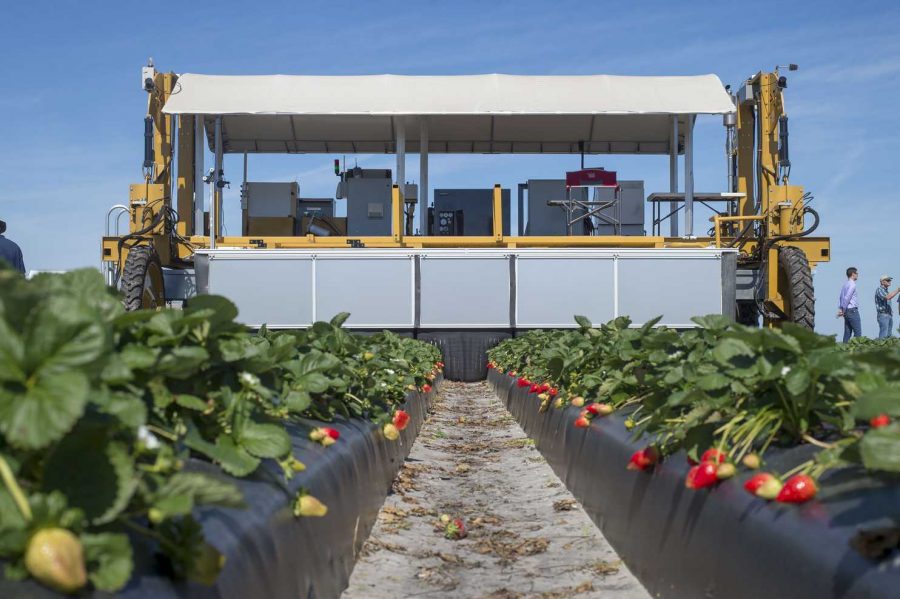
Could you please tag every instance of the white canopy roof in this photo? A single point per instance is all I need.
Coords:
(465, 114)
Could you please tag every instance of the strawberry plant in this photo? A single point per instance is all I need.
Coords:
(101, 409)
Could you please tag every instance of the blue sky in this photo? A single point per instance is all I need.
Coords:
(70, 138)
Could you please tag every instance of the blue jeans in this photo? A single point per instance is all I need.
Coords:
(885, 324)
(852, 324)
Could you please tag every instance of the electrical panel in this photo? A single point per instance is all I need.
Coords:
(368, 195)
(270, 199)
(472, 211)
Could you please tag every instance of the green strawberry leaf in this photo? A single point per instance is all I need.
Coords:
(184, 490)
(884, 400)
(233, 459)
(265, 440)
(109, 560)
(36, 414)
(880, 448)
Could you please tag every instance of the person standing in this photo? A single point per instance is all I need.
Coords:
(883, 307)
(848, 306)
(10, 251)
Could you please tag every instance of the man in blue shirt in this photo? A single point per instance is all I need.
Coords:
(10, 251)
(883, 307)
(848, 306)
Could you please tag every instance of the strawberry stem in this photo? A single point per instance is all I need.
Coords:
(14, 489)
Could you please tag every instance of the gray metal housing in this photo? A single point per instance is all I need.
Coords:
(464, 288)
(477, 206)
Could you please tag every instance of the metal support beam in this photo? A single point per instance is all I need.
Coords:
(423, 176)
(401, 154)
(689, 177)
(498, 212)
(199, 168)
(215, 219)
(673, 176)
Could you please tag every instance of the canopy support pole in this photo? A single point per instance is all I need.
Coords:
(215, 208)
(673, 177)
(199, 168)
(689, 177)
(401, 155)
(423, 176)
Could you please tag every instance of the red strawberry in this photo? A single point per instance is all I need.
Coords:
(701, 476)
(553, 391)
(426, 388)
(511, 373)
(545, 387)
(523, 382)
(582, 422)
(334, 434)
(880, 420)
(713, 455)
(643, 459)
(490, 365)
(797, 489)
(534, 388)
(763, 485)
(401, 419)
(455, 529)
(592, 409)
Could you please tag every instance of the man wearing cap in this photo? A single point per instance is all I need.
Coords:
(10, 251)
(848, 306)
(883, 306)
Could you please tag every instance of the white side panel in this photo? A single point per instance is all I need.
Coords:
(377, 292)
(587, 289)
(273, 292)
(469, 291)
(675, 288)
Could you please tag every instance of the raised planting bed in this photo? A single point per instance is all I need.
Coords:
(176, 452)
(595, 400)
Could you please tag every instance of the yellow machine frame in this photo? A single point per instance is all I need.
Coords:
(776, 218)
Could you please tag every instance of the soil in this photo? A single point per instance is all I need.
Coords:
(526, 536)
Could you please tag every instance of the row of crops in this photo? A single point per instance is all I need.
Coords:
(725, 394)
(100, 411)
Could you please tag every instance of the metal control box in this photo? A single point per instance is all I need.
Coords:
(320, 207)
(270, 199)
(470, 210)
(549, 220)
(368, 195)
(631, 208)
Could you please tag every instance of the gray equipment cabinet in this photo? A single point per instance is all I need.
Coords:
(368, 194)
(475, 206)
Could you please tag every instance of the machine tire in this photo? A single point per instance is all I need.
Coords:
(796, 278)
(143, 286)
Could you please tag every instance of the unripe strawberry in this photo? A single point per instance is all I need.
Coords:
(308, 506)
(455, 529)
(880, 420)
(725, 471)
(629, 424)
(54, 556)
(582, 422)
(445, 519)
(751, 461)
(604, 409)
(400, 419)
(577, 401)
(559, 403)
(317, 434)
(769, 489)
(753, 483)
(429, 376)
(797, 489)
(327, 441)
(543, 396)
(411, 387)
(156, 515)
(390, 432)
(296, 465)
(368, 356)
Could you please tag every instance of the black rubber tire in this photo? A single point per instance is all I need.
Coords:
(800, 299)
(142, 283)
(747, 313)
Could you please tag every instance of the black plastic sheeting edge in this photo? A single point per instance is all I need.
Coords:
(719, 542)
(464, 352)
(269, 552)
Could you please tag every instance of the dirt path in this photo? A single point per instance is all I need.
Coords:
(527, 537)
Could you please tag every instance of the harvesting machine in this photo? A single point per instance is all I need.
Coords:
(462, 265)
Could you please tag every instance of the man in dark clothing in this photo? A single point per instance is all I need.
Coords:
(10, 251)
